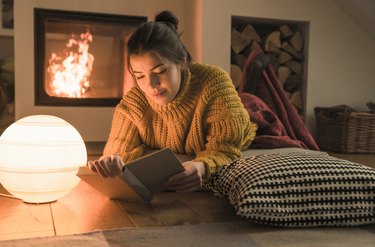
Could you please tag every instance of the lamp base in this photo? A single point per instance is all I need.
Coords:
(40, 187)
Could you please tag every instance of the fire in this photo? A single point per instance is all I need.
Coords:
(70, 75)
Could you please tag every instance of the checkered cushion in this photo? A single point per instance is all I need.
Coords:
(298, 190)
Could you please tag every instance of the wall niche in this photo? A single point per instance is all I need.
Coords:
(286, 43)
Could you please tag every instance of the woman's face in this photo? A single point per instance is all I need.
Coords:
(157, 77)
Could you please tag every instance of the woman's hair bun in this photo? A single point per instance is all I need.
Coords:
(167, 17)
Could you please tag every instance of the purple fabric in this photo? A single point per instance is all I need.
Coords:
(263, 96)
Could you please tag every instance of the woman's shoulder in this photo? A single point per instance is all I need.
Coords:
(211, 76)
(135, 94)
(133, 103)
(208, 70)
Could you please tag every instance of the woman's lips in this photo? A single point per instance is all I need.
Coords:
(157, 94)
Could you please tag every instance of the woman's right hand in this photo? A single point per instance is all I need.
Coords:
(107, 166)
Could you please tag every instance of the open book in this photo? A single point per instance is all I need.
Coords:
(141, 179)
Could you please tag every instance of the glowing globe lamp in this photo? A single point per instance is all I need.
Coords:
(39, 158)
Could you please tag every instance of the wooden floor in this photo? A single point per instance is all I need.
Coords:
(84, 209)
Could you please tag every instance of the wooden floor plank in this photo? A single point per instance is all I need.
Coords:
(19, 219)
(85, 209)
(209, 206)
(165, 210)
(21, 235)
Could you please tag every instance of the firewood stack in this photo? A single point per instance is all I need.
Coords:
(284, 45)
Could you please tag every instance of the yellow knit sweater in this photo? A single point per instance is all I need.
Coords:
(206, 119)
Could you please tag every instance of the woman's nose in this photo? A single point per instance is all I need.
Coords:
(154, 80)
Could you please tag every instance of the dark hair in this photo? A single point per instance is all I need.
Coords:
(161, 37)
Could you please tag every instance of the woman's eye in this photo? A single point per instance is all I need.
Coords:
(161, 71)
(139, 77)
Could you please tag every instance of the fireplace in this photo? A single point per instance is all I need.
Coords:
(80, 57)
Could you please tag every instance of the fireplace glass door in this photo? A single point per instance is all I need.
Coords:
(80, 58)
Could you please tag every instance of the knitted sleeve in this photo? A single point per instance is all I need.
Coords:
(124, 137)
(228, 126)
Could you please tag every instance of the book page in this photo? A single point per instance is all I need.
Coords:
(4, 192)
(113, 188)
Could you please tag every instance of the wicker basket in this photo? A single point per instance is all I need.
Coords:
(341, 129)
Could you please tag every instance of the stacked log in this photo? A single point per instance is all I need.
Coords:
(283, 44)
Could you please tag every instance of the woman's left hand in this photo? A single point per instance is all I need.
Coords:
(189, 180)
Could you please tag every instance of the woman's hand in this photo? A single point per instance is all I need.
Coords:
(107, 166)
(189, 180)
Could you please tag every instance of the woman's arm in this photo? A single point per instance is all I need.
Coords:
(228, 129)
(124, 137)
(123, 145)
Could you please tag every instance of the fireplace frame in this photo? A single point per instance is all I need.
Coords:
(40, 15)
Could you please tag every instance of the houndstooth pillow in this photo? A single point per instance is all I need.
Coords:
(298, 190)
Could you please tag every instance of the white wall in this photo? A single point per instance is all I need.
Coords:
(192, 33)
(92, 122)
(341, 55)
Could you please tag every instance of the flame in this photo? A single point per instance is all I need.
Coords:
(70, 76)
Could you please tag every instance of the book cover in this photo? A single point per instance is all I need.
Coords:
(141, 178)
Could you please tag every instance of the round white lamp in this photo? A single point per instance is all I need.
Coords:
(39, 158)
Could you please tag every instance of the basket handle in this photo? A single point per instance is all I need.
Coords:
(333, 113)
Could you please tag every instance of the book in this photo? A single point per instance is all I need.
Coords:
(141, 178)
(4, 192)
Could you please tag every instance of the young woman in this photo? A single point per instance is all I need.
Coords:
(191, 108)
